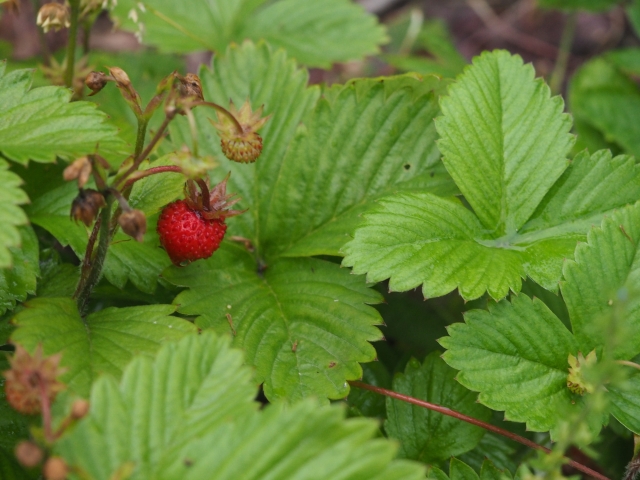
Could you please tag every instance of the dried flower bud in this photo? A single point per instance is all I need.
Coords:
(189, 86)
(80, 408)
(30, 377)
(120, 76)
(80, 168)
(134, 224)
(243, 144)
(86, 205)
(55, 469)
(53, 15)
(95, 81)
(29, 454)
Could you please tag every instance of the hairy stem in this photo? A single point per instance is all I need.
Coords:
(628, 364)
(151, 171)
(560, 69)
(94, 270)
(71, 43)
(142, 133)
(222, 110)
(45, 405)
(474, 421)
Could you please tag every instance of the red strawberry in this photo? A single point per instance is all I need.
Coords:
(193, 228)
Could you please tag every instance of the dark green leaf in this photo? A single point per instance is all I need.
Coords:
(425, 435)
(11, 215)
(20, 280)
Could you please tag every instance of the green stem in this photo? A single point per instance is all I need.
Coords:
(142, 132)
(560, 69)
(88, 282)
(71, 43)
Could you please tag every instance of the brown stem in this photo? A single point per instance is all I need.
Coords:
(474, 421)
(151, 171)
(46, 411)
(222, 110)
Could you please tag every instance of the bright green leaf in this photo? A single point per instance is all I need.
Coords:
(20, 280)
(303, 323)
(608, 262)
(515, 355)
(40, 124)
(103, 342)
(169, 425)
(316, 34)
(426, 435)
(504, 140)
(11, 215)
(602, 96)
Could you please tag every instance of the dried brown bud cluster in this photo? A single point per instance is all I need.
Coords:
(55, 469)
(95, 81)
(86, 205)
(53, 16)
(239, 140)
(189, 86)
(134, 224)
(30, 378)
(29, 454)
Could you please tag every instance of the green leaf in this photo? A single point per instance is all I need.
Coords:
(602, 96)
(318, 33)
(141, 263)
(154, 192)
(164, 424)
(315, 34)
(103, 342)
(496, 451)
(592, 5)
(372, 137)
(426, 435)
(624, 402)
(461, 471)
(20, 280)
(303, 323)
(500, 121)
(605, 264)
(40, 124)
(416, 239)
(371, 404)
(11, 215)
(515, 355)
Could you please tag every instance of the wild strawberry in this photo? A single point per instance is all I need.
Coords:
(193, 228)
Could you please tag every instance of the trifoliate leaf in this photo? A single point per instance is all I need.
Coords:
(20, 280)
(303, 323)
(40, 124)
(425, 435)
(504, 140)
(89, 345)
(603, 97)
(624, 402)
(528, 230)
(604, 272)
(11, 215)
(316, 34)
(515, 355)
(164, 424)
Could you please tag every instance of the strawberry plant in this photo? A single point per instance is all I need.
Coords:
(192, 289)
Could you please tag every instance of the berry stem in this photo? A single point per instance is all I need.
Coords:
(151, 171)
(45, 405)
(222, 110)
(473, 421)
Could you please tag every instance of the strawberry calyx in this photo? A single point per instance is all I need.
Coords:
(211, 204)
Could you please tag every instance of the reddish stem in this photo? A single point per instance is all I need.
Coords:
(46, 411)
(151, 171)
(206, 196)
(222, 110)
(474, 421)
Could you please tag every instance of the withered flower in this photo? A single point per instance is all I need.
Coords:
(55, 468)
(189, 86)
(32, 377)
(95, 81)
(53, 15)
(29, 454)
(134, 224)
(86, 205)
(80, 168)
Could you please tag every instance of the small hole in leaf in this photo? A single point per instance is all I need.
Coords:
(407, 166)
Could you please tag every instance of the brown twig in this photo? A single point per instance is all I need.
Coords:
(473, 421)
